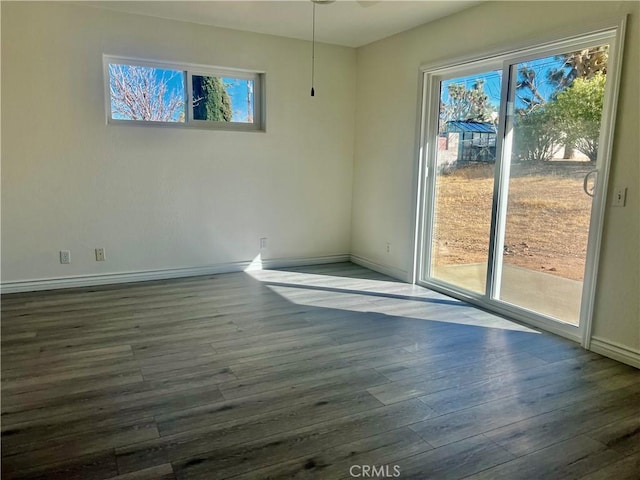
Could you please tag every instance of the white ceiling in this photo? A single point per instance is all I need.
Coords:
(344, 22)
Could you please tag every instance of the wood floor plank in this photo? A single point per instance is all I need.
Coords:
(440, 358)
(154, 367)
(259, 351)
(358, 359)
(79, 357)
(331, 351)
(624, 469)
(65, 448)
(469, 394)
(7, 339)
(571, 459)
(622, 435)
(453, 461)
(248, 406)
(28, 379)
(444, 377)
(112, 433)
(146, 397)
(22, 395)
(215, 371)
(279, 380)
(222, 463)
(225, 435)
(338, 462)
(489, 417)
(96, 466)
(160, 472)
(30, 435)
(585, 414)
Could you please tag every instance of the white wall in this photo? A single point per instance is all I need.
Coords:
(386, 115)
(162, 198)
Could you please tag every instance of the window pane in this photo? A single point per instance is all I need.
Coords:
(465, 160)
(223, 99)
(556, 130)
(146, 93)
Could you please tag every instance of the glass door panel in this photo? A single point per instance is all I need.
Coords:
(464, 169)
(556, 105)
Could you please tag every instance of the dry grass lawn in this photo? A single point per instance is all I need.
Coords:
(547, 217)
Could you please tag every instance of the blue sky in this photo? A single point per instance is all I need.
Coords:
(493, 81)
(492, 85)
(237, 91)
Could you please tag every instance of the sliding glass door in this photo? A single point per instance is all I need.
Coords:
(516, 150)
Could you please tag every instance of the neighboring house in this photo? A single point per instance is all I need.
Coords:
(467, 141)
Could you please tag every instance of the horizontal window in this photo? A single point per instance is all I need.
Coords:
(156, 93)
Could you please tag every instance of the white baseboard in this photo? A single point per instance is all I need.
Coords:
(128, 277)
(616, 351)
(302, 262)
(392, 272)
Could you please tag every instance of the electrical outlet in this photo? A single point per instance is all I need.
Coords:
(388, 247)
(100, 256)
(65, 256)
(263, 243)
(619, 196)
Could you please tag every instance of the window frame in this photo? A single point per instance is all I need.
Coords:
(189, 70)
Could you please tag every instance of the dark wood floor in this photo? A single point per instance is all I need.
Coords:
(301, 374)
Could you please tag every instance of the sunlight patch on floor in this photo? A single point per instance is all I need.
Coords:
(375, 296)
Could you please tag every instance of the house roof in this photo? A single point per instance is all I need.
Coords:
(470, 126)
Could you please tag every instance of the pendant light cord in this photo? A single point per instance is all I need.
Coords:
(313, 48)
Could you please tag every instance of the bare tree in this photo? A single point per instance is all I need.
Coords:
(582, 64)
(141, 93)
(527, 89)
(466, 104)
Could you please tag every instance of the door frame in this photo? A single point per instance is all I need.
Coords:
(611, 31)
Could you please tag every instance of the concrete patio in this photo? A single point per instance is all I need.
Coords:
(540, 292)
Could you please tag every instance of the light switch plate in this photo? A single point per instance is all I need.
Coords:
(65, 257)
(619, 196)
